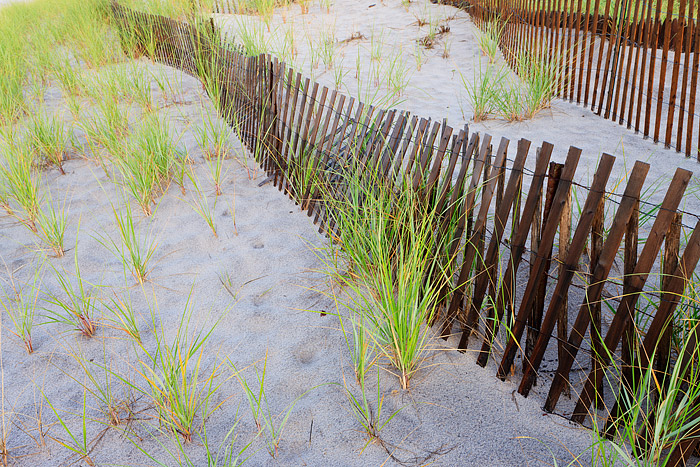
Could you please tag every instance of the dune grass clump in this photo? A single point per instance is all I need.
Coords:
(69, 77)
(12, 70)
(77, 441)
(114, 399)
(122, 316)
(481, 91)
(489, 37)
(125, 82)
(659, 411)
(494, 91)
(107, 128)
(132, 249)
(540, 76)
(201, 205)
(21, 183)
(387, 240)
(212, 137)
(77, 307)
(21, 306)
(148, 166)
(52, 222)
(49, 139)
(177, 382)
(140, 88)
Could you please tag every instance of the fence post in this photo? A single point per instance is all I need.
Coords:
(595, 308)
(564, 244)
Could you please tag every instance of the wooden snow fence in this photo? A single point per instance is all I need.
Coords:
(526, 248)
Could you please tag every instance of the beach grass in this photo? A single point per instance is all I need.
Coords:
(176, 380)
(77, 305)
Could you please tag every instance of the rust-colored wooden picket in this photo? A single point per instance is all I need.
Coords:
(307, 137)
(632, 61)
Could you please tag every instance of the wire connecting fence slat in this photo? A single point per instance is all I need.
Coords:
(309, 140)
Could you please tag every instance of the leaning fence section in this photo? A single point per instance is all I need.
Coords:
(632, 61)
(520, 248)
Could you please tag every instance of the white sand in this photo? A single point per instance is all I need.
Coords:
(456, 413)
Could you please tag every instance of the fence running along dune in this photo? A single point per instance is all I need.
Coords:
(511, 221)
(632, 61)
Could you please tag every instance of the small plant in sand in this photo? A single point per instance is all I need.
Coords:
(304, 5)
(129, 82)
(376, 45)
(314, 55)
(398, 76)
(419, 56)
(225, 454)
(435, 32)
(175, 376)
(51, 222)
(339, 74)
(74, 106)
(216, 172)
(446, 46)
(77, 441)
(5, 193)
(372, 418)
(227, 282)
(115, 400)
(212, 139)
(77, 307)
(148, 167)
(171, 92)
(212, 136)
(362, 348)
(21, 307)
(360, 345)
(287, 48)
(508, 102)
(134, 251)
(326, 46)
(181, 169)
(269, 425)
(302, 174)
(201, 205)
(423, 17)
(140, 87)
